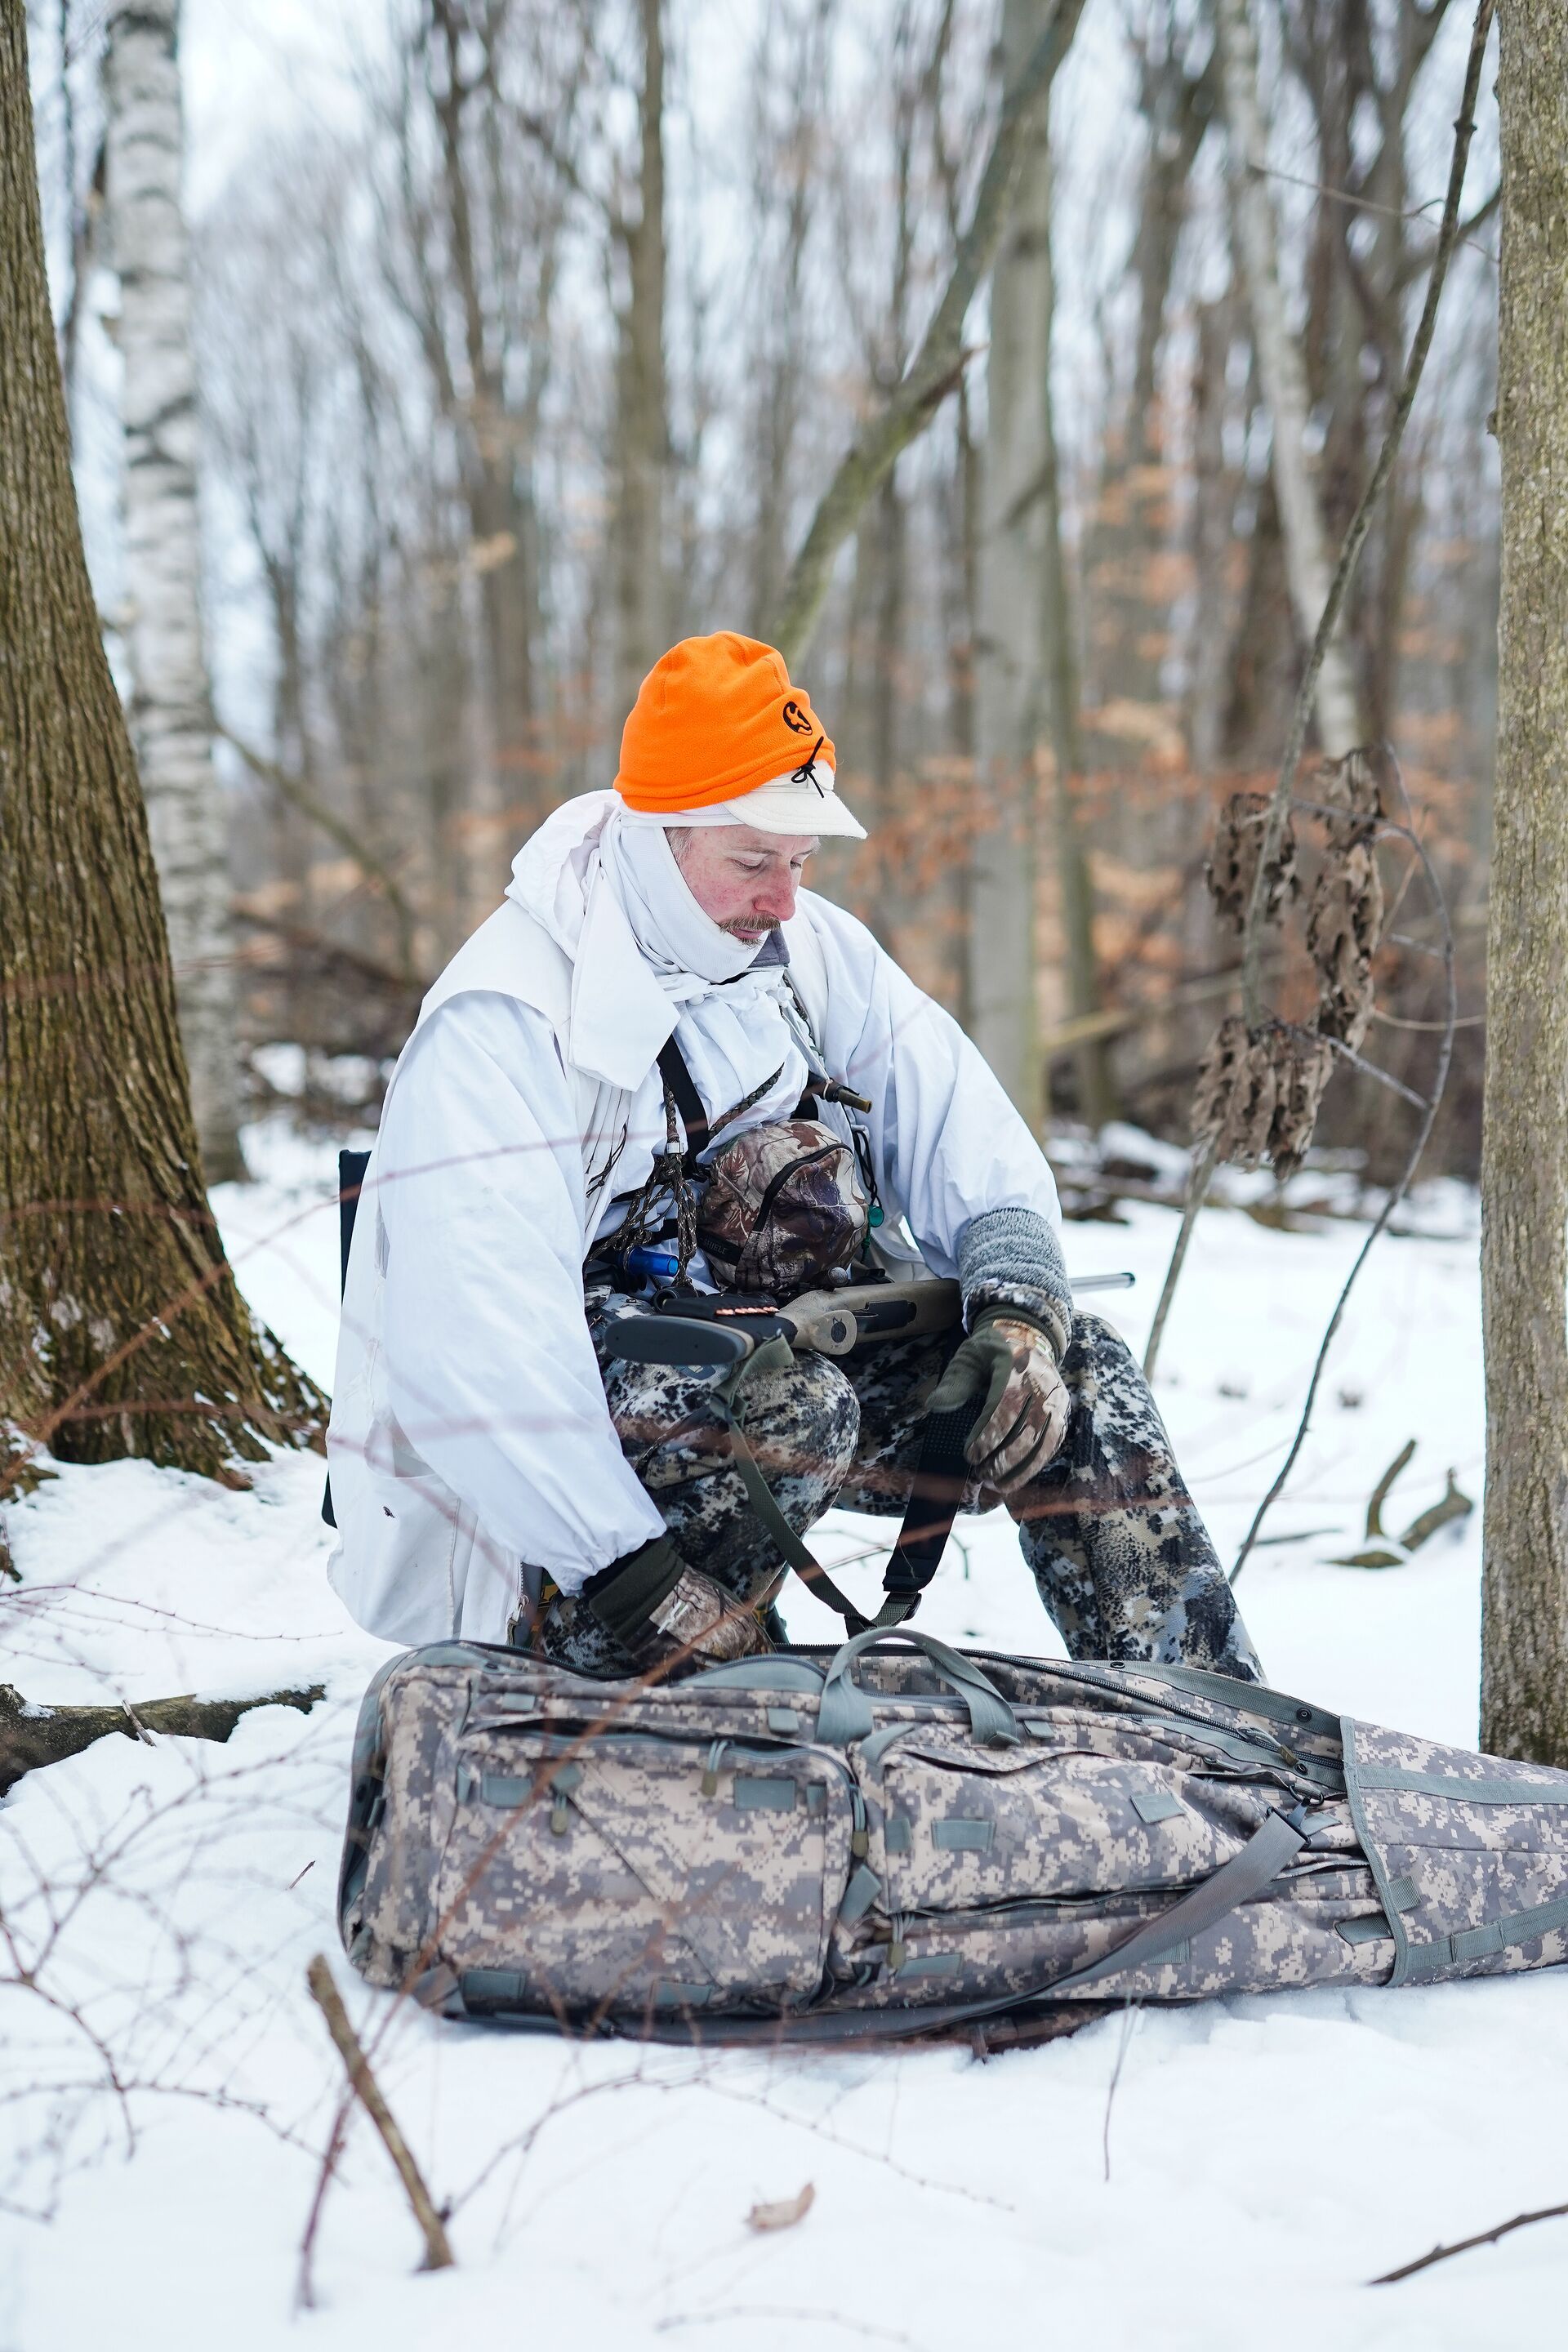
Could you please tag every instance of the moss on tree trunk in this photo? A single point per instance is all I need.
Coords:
(122, 1331)
(1524, 1166)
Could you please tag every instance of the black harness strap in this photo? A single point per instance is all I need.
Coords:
(941, 1473)
(683, 1087)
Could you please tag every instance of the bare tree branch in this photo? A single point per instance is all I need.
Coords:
(1283, 377)
(1396, 1193)
(1338, 588)
(941, 359)
(1464, 2245)
(1361, 521)
(31, 1735)
(329, 2001)
(379, 874)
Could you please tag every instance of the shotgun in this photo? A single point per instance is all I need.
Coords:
(724, 1327)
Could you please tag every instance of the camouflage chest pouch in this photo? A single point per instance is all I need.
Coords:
(783, 1206)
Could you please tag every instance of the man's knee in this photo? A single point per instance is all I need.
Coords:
(801, 1420)
(1097, 1352)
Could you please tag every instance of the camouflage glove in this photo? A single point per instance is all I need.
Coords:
(657, 1608)
(1008, 1362)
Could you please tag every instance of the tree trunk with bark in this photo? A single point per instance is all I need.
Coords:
(1058, 669)
(122, 1331)
(1307, 563)
(1024, 689)
(496, 441)
(1524, 1162)
(171, 711)
(642, 415)
(1009, 697)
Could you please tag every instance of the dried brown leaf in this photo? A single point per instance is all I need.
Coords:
(1344, 924)
(785, 2213)
(1350, 785)
(1231, 870)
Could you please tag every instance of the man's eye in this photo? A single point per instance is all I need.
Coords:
(750, 865)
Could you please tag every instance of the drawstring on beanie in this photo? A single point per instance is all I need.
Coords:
(807, 772)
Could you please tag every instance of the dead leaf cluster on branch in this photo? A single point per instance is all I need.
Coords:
(1258, 1090)
(1258, 1093)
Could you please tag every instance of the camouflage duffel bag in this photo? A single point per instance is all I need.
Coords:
(896, 1836)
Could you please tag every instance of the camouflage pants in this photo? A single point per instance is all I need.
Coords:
(1122, 1560)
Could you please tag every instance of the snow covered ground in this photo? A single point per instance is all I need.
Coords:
(168, 2085)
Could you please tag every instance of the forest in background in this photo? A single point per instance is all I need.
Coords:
(539, 348)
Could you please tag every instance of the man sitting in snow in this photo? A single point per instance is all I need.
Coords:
(496, 1473)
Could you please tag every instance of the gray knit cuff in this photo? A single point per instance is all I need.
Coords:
(1013, 1258)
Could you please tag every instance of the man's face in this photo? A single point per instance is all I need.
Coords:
(745, 881)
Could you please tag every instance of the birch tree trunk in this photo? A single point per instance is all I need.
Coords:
(171, 712)
(121, 1329)
(642, 419)
(1524, 1159)
(1307, 563)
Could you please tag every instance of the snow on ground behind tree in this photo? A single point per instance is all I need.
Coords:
(1267, 2156)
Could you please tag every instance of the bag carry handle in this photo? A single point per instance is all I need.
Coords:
(845, 1713)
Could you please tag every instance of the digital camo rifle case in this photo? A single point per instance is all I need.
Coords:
(897, 1837)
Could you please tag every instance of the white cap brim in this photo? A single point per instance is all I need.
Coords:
(782, 806)
(786, 807)
(798, 808)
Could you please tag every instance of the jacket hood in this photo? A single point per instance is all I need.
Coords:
(623, 1007)
(551, 871)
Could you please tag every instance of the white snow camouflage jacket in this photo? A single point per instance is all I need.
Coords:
(470, 1439)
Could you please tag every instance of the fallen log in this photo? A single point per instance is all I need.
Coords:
(32, 1735)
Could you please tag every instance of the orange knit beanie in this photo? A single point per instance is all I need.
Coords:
(715, 717)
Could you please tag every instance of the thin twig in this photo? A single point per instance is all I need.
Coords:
(1130, 2016)
(329, 2001)
(1198, 1181)
(1483, 2237)
(1477, 219)
(1338, 588)
(304, 2284)
(1357, 1061)
(1429, 1028)
(1423, 1134)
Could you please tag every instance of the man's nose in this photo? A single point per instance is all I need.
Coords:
(775, 897)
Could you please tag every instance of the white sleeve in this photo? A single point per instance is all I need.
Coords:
(490, 1367)
(949, 1146)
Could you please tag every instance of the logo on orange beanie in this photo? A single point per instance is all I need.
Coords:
(715, 718)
